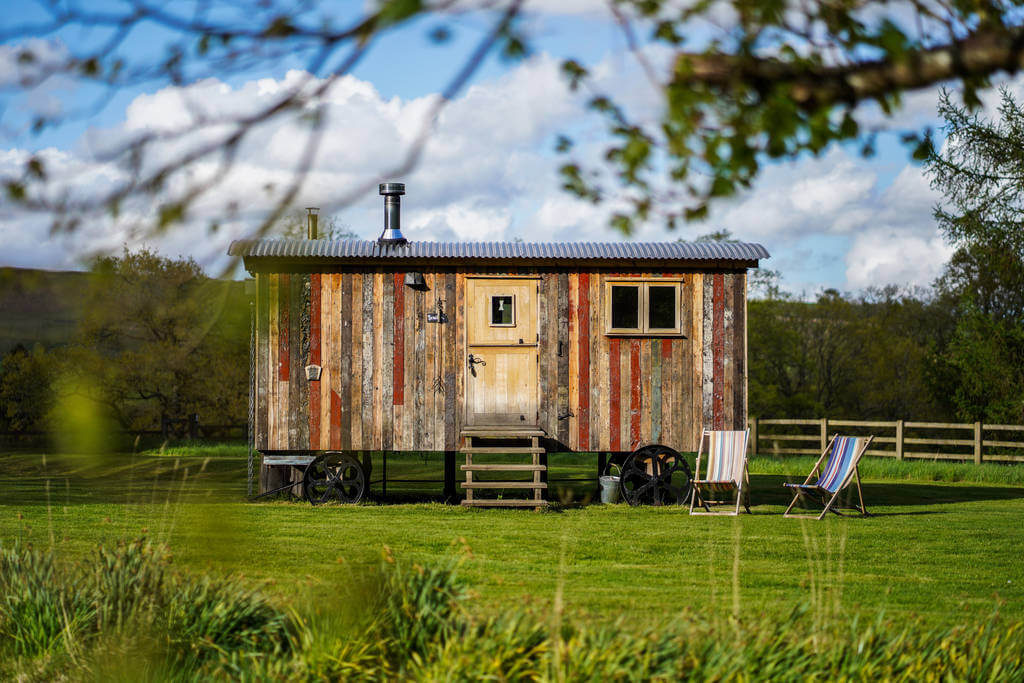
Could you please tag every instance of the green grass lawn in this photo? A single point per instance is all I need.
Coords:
(948, 551)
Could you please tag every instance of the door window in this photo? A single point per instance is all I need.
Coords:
(503, 310)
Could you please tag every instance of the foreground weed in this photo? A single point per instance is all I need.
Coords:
(123, 615)
(40, 615)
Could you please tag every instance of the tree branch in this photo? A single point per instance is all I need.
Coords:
(983, 52)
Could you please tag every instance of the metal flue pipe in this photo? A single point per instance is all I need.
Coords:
(392, 235)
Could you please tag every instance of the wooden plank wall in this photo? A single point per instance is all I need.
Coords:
(392, 381)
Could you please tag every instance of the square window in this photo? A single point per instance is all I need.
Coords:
(626, 307)
(661, 307)
(503, 313)
(643, 307)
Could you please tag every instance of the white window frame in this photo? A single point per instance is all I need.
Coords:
(490, 310)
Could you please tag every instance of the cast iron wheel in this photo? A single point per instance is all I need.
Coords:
(656, 475)
(334, 478)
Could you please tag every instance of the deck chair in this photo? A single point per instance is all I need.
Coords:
(726, 472)
(844, 452)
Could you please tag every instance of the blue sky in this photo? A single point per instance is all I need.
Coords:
(488, 171)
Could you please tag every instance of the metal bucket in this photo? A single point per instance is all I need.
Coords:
(611, 486)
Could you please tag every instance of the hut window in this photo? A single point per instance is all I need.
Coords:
(643, 307)
(503, 310)
(661, 307)
(626, 307)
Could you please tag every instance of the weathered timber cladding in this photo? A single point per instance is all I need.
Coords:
(262, 358)
(391, 380)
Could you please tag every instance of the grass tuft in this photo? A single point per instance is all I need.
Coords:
(123, 606)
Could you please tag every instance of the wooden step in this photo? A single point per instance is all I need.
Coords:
(503, 450)
(503, 485)
(502, 433)
(503, 468)
(506, 503)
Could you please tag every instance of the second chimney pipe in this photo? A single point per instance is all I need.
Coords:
(311, 231)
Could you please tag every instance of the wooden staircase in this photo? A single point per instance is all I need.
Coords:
(497, 441)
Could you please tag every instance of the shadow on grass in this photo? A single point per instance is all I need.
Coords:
(768, 489)
(33, 479)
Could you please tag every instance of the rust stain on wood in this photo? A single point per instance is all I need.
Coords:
(718, 339)
(398, 368)
(635, 384)
(314, 358)
(613, 394)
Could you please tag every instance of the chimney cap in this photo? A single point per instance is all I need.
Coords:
(391, 188)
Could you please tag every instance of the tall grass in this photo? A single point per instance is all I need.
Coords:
(208, 449)
(124, 605)
(124, 615)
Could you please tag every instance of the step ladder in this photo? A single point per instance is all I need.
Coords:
(497, 441)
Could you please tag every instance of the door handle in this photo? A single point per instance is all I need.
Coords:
(475, 361)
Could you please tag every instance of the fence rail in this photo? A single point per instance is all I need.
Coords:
(985, 442)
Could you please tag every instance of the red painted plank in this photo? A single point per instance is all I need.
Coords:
(613, 394)
(634, 393)
(583, 313)
(284, 365)
(718, 351)
(335, 421)
(314, 358)
(671, 406)
(398, 365)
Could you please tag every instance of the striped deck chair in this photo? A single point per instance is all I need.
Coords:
(726, 472)
(843, 453)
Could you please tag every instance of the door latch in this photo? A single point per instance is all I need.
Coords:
(475, 361)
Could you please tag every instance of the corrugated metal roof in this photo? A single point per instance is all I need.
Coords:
(499, 251)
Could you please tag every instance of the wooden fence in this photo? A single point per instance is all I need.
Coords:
(897, 439)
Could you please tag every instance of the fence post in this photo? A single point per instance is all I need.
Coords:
(824, 433)
(899, 439)
(977, 443)
(753, 434)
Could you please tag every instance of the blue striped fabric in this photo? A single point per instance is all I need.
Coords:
(840, 462)
(726, 455)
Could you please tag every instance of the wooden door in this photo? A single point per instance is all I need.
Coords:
(501, 346)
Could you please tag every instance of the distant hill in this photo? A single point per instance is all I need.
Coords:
(39, 306)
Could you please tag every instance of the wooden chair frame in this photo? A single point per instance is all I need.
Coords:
(742, 486)
(827, 498)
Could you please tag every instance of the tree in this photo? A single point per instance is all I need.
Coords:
(749, 81)
(294, 224)
(862, 357)
(26, 391)
(158, 339)
(980, 173)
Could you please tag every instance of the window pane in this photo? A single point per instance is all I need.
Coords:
(501, 310)
(661, 307)
(626, 307)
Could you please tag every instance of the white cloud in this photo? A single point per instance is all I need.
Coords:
(892, 255)
(486, 173)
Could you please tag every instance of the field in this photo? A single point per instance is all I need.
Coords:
(154, 566)
(944, 552)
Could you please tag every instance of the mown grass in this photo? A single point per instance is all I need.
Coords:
(948, 553)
